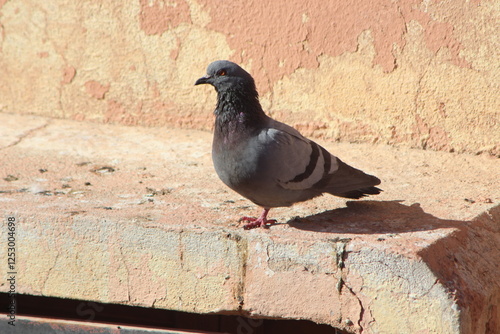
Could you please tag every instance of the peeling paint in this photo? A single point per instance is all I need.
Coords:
(96, 89)
(158, 16)
(276, 34)
(69, 73)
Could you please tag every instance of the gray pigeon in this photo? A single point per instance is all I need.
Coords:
(266, 161)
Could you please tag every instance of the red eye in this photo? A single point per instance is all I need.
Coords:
(221, 72)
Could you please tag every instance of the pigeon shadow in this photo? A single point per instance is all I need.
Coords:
(373, 217)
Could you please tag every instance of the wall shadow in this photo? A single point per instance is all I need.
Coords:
(373, 217)
(464, 261)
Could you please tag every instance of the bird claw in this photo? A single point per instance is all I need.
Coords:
(256, 222)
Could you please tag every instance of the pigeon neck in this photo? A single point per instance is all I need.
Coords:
(239, 110)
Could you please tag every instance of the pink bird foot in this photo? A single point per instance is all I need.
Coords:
(262, 221)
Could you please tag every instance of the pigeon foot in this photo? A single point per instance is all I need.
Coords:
(262, 221)
(256, 222)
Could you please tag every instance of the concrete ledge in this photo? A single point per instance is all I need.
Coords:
(137, 216)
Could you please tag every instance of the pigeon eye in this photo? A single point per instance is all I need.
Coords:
(221, 72)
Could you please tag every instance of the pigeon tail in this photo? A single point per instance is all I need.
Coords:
(350, 182)
(359, 193)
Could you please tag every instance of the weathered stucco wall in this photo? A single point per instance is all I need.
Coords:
(417, 73)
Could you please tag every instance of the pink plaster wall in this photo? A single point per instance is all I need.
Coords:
(419, 74)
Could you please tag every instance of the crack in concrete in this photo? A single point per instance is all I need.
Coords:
(48, 272)
(340, 260)
(26, 135)
(421, 141)
(340, 257)
(128, 273)
(362, 309)
(59, 100)
(430, 289)
(405, 32)
(242, 248)
(417, 92)
(181, 250)
(2, 36)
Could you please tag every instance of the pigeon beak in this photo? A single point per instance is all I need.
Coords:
(203, 80)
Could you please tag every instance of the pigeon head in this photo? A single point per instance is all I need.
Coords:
(227, 76)
(237, 97)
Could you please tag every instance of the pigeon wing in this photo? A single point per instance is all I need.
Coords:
(298, 163)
